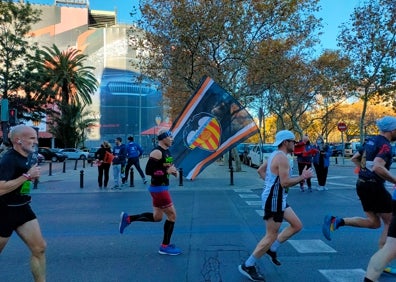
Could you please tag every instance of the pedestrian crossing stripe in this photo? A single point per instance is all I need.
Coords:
(244, 196)
(343, 275)
(243, 190)
(311, 246)
(254, 203)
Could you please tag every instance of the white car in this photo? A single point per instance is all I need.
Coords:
(74, 154)
(256, 156)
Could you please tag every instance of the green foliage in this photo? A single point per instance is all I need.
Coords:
(15, 24)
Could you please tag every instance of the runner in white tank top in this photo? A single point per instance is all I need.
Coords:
(276, 173)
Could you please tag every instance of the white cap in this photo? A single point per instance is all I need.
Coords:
(282, 136)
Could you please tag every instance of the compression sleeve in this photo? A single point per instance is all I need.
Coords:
(154, 167)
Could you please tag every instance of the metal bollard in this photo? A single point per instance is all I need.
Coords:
(231, 176)
(180, 176)
(83, 163)
(81, 179)
(50, 168)
(64, 166)
(75, 165)
(131, 178)
(35, 183)
(336, 162)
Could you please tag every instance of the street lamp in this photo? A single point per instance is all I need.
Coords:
(157, 122)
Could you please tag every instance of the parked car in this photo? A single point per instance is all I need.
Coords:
(351, 148)
(51, 155)
(259, 153)
(91, 154)
(75, 154)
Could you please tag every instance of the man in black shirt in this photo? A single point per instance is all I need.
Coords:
(17, 172)
(373, 160)
(159, 167)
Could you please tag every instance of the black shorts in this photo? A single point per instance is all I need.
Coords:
(277, 216)
(392, 226)
(13, 217)
(374, 196)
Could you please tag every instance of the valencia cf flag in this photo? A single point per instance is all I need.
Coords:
(211, 123)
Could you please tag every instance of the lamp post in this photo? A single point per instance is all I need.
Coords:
(157, 122)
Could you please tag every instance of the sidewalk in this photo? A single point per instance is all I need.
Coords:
(69, 181)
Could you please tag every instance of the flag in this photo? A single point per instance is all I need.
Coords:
(211, 123)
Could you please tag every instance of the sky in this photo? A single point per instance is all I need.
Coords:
(334, 12)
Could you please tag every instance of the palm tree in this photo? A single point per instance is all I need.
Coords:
(69, 84)
(69, 125)
(65, 74)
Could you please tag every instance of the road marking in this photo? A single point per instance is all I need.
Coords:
(311, 246)
(343, 275)
(254, 203)
(243, 190)
(244, 196)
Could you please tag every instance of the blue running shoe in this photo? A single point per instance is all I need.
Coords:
(123, 222)
(327, 226)
(390, 270)
(169, 250)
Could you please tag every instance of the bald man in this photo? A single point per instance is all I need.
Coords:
(16, 176)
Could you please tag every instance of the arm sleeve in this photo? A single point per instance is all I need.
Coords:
(154, 167)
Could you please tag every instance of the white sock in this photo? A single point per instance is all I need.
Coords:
(251, 261)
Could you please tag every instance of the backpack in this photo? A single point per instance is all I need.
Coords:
(108, 157)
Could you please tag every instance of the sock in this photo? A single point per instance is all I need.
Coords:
(251, 261)
(338, 222)
(367, 280)
(146, 216)
(275, 245)
(168, 230)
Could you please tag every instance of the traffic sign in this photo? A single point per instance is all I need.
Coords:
(342, 126)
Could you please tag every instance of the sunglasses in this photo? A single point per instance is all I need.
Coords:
(291, 140)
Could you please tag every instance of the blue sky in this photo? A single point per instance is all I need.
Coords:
(334, 12)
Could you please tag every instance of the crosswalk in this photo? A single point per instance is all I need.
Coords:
(315, 246)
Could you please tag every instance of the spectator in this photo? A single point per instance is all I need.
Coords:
(321, 162)
(103, 165)
(304, 152)
(134, 152)
(119, 152)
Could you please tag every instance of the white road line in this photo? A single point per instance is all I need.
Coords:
(311, 246)
(343, 275)
(244, 196)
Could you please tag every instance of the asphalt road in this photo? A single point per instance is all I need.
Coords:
(218, 225)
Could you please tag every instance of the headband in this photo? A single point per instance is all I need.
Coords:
(164, 135)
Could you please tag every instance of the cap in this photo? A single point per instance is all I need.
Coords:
(387, 123)
(282, 136)
(119, 139)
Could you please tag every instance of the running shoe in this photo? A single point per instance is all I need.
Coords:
(274, 258)
(390, 270)
(123, 222)
(170, 250)
(327, 226)
(330, 224)
(250, 272)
